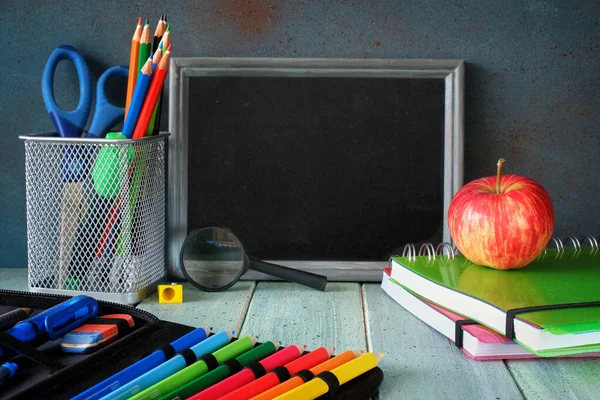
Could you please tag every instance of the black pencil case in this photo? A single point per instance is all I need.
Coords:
(46, 372)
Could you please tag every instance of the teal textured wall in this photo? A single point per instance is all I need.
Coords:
(532, 79)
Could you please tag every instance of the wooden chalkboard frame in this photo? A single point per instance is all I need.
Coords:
(181, 69)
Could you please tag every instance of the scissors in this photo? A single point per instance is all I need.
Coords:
(72, 123)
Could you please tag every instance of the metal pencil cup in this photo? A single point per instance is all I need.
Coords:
(96, 215)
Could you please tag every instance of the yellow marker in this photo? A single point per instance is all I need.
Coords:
(317, 387)
(169, 294)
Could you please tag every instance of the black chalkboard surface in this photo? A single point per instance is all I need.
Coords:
(317, 168)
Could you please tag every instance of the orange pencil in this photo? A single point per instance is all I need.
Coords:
(133, 64)
(296, 381)
(158, 80)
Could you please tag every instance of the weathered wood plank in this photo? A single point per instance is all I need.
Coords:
(13, 279)
(420, 363)
(295, 314)
(221, 310)
(558, 379)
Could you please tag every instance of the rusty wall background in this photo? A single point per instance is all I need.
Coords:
(532, 81)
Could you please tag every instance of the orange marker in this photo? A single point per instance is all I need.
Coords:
(272, 379)
(158, 80)
(133, 64)
(297, 380)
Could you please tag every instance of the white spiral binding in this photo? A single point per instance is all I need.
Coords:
(430, 251)
(451, 251)
(409, 251)
(427, 249)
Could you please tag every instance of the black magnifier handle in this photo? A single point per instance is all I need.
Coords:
(309, 279)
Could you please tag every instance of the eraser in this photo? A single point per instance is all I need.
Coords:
(96, 334)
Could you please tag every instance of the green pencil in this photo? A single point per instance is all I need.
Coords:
(197, 369)
(145, 47)
(154, 125)
(222, 372)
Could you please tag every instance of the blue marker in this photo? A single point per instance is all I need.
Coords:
(54, 322)
(7, 371)
(141, 367)
(170, 367)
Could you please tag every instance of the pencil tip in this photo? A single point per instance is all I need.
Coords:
(147, 22)
(168, 28)
(169, 48)
(140, 21)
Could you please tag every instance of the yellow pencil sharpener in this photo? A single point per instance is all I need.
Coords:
(170, 294)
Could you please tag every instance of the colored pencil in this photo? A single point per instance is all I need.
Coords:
(169, 367)
(246, 375)
(154, 125)
(145, 47)
(153, 120)
(142, 366)
(133, 64)
(158, 80)
(157, 57)
(223, 371)
(166, 39)
(317, 387)
(296, 381)
(158, 32)
(272, 379)
(141, 89)
(9, 319)
(196, 370)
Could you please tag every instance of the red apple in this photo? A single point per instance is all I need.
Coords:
(502, 221)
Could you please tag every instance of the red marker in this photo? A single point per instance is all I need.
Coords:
(247, 375)
(272, 379)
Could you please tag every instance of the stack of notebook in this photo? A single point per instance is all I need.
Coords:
(487, 312)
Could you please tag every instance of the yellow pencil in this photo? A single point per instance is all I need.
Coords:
(317, 387)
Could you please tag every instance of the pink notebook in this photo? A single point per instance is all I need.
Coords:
(479, 342)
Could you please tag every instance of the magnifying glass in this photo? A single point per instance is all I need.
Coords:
(213, 259)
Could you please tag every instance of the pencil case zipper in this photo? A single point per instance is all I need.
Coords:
(134, 312)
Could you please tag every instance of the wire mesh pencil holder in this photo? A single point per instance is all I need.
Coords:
(96, 215)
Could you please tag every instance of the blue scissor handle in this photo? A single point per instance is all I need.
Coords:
(68, 123)
(106, 115)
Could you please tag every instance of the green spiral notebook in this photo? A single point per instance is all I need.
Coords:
(485, 295)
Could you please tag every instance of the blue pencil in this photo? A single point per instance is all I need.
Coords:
(137, 101)
(170, 367)
(141, 367)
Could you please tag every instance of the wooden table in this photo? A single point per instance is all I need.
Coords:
(419, 363)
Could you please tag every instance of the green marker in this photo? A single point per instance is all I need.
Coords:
(222, 372)
(196, 370)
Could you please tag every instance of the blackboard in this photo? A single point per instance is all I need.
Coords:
(340, 168)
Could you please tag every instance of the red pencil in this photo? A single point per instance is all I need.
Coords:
(247, 375)
(158, 80)
(271, 379)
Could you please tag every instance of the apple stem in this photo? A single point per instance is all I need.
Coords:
(498, 186)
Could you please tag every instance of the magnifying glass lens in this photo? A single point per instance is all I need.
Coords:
(212, 258)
